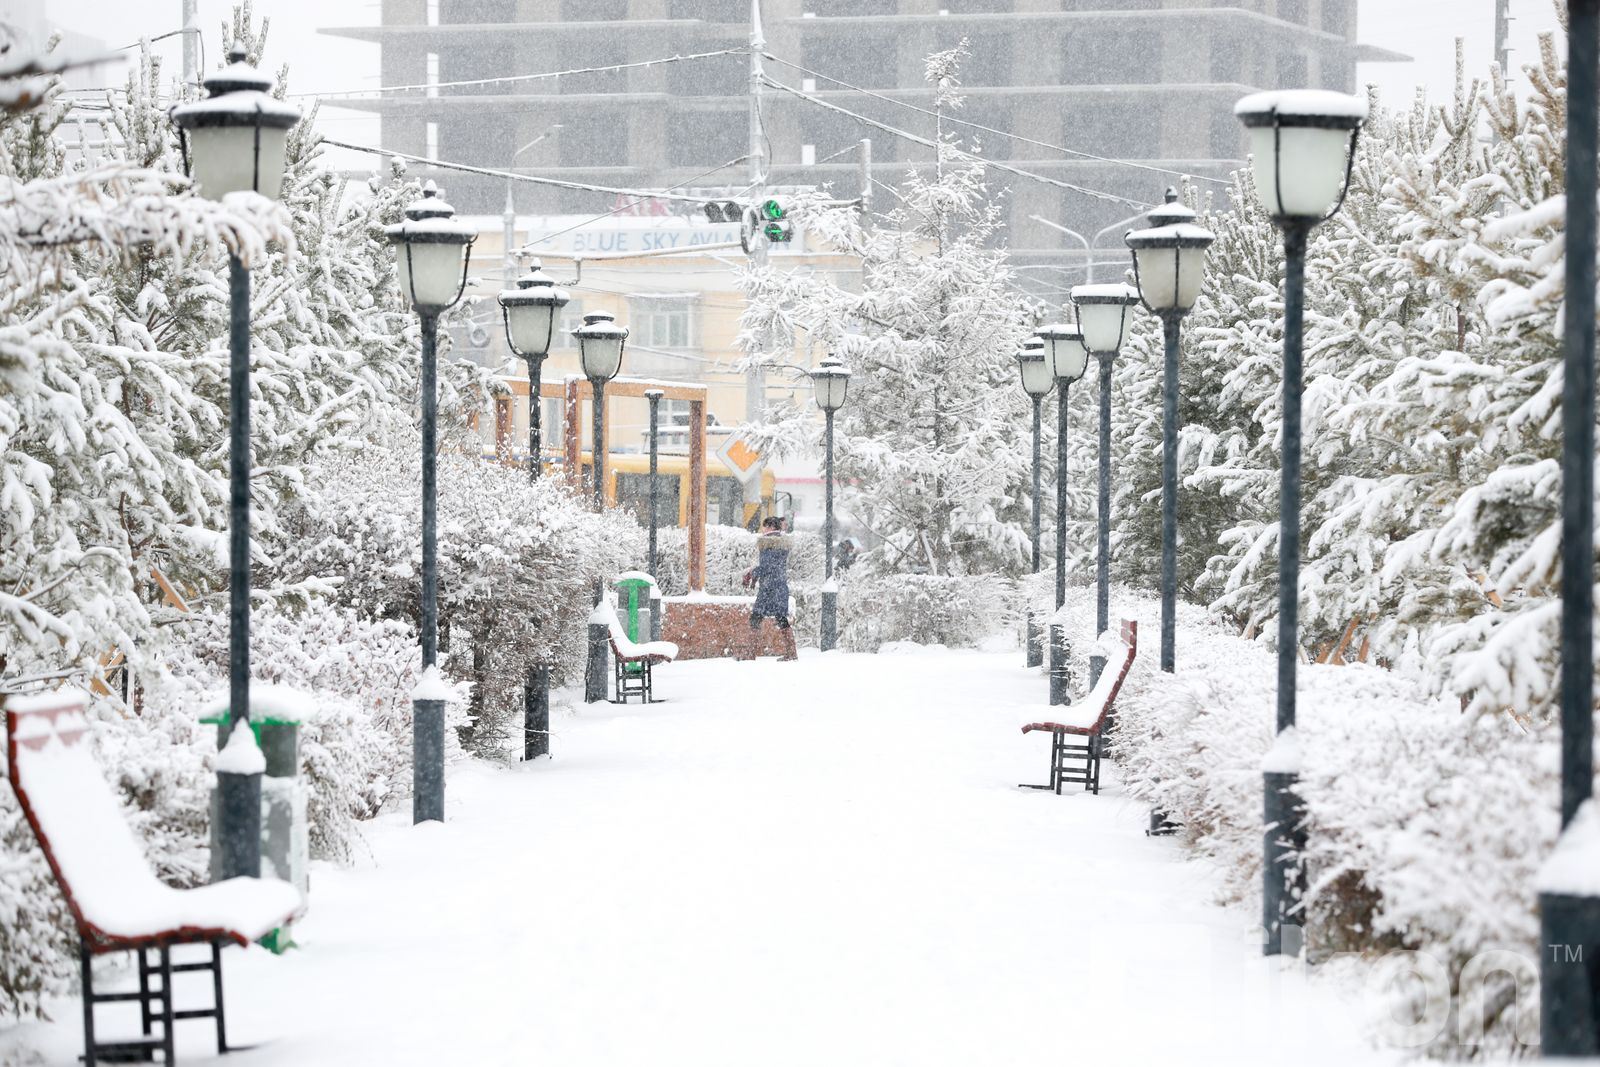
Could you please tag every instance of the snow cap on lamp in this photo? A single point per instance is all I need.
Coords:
(1302, 142)
(600, 342)
(530, 309)
(1034, 366)
(433, 251)
(1103, 314)
(236, 139)
(1169, 258)
(1065, 355)
(830, 383)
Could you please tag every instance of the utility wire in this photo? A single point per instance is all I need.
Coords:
(513, 176)
(634, 203)
(995, 164)
(990, 129)
(526, 77)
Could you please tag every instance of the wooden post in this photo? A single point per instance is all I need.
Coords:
(697, 494)
(502, 429)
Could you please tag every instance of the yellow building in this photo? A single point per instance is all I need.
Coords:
(682, 311)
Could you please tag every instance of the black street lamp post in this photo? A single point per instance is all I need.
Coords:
(1034, 367)
(236, 140)
(433, 250)
(1569, 908)
(830, 383)
(1169, 261)
(1066, 359)
(1103, 318)
(1303, 148)
(600, 342)
(531, 310)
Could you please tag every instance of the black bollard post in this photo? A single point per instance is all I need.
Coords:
(536, 713)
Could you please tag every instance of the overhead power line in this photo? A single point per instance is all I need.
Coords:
(990, 129)
(491, 172)
(524, 77)
(1097, 194)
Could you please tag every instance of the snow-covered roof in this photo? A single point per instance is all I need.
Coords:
(1105, 293)
(1339, 109)
(1178, 235)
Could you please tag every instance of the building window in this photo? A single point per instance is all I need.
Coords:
(709, 10)
(705, 138)
(605, 143)
(666, 322)
(594, 10)
(832, 8)
(1292, 70)
(1292, 11)
(866, 61)
(1227, 59)
(459, 12)
(571, 319)
(1336, 16)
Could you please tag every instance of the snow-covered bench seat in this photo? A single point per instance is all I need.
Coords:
(1085, 719)
(114, 897)
(633, 662)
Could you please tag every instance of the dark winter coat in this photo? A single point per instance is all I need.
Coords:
(772, 577)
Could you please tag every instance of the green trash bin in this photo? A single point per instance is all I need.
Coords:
(632, 588)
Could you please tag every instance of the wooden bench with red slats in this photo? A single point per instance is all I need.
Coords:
(634, 663)
(116, 900)
(1085, 719)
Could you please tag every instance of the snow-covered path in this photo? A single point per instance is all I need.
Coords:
(816, 863)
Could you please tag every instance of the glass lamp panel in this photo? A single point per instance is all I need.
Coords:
(1159, 282)
(1067, 358)
(531, 327)
(601, 356)
(830, 389)
(1191, 276)
(1103, 326)
(222, 159)
(1036, 377)
(430, 271)
(1309, 162)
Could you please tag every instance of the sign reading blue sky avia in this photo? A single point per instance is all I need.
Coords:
(614, 236)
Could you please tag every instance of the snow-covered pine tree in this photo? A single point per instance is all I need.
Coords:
(934, 434)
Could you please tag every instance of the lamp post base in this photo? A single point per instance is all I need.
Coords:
(427, 761)
(1569, 975)
(594, 671)
(830, 621)
(1035, 642)
(536, 713)
(239, 824)
(1284, 876)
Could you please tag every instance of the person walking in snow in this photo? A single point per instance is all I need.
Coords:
(770, 576)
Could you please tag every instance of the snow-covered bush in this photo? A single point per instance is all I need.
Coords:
(356, 750)
(1425, 828)
(932, 441)
(928, 609)
(517, 561)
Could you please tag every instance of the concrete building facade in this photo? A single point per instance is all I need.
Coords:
(1151, 81)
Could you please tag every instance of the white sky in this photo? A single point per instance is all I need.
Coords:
(1424, 29)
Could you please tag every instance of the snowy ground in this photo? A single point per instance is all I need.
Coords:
(816, 863)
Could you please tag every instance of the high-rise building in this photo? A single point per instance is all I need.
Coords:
(1062, 81)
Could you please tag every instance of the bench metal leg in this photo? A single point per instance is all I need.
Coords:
(166, 1005)
(216, 989)
(87, 963)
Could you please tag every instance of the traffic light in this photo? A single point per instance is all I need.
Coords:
(775, 223)
(726, 211)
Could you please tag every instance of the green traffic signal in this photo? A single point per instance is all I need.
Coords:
(772, 209)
